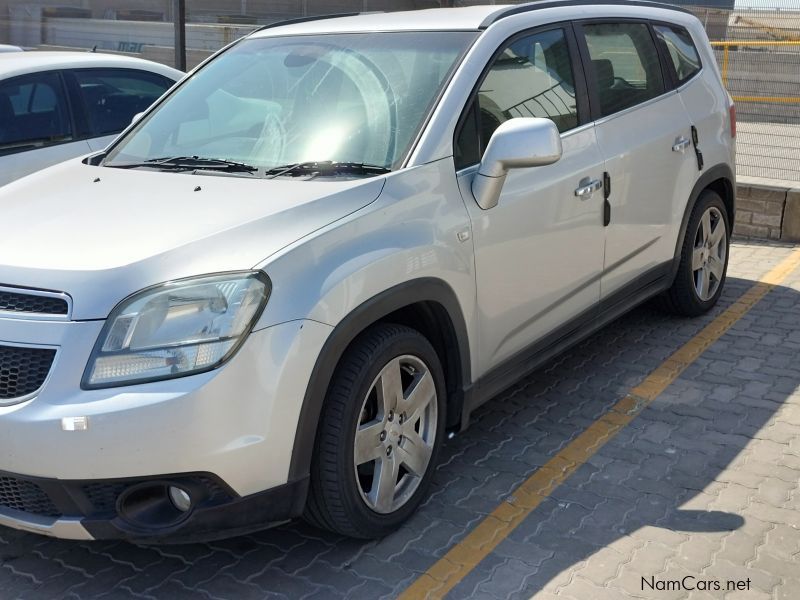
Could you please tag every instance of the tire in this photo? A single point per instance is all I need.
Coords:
(398, 437)
(688, 295)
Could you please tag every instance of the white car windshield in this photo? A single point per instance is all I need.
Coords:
(276, 102)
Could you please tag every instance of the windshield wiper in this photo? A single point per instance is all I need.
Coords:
(326, 168)
(190, 163)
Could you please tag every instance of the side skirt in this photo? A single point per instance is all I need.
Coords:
(503, 376)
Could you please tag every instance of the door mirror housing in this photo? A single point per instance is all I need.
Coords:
(136, 117)
(517, 144)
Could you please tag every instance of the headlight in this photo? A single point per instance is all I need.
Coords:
(175, 329)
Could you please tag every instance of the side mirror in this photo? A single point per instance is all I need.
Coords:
(136, 117)
(516, 144)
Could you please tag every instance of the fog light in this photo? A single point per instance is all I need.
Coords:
(180, 498)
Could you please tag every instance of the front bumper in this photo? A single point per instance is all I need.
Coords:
(95, 509)
(236, 425)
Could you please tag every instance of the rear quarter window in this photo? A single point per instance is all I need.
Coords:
(682, 52)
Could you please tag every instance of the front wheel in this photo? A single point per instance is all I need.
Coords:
(704, 259)
(380, 431)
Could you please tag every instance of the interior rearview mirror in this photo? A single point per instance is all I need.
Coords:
(516, 144)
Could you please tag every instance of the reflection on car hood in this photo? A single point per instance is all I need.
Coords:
(101, 234)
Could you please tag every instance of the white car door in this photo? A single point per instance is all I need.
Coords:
(539, 252)
(645, 136)
(36, 128)
(18, 164)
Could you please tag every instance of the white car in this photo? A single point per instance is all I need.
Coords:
(9, 48)
(279, 289)
(59, 105)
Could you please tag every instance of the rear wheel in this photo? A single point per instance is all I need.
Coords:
(380, 431)
(704, 259)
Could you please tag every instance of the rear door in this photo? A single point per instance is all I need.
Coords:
(644, 134)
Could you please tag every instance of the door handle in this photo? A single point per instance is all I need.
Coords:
(681, 144)
(587, 187)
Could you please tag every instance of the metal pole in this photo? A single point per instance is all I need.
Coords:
(179, 19)
(725, 56)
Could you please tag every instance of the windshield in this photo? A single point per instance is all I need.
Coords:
(280, 101)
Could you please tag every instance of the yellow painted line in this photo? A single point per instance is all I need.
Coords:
(445, 574)
(768, 99)
(729, 43)
(725, 57)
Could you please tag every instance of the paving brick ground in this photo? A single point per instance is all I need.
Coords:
(705, 483)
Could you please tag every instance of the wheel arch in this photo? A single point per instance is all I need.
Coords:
(428, 305)
(720, 179)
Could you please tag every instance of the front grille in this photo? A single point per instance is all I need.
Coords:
(20, 302)
(23, 370)
(26, 496)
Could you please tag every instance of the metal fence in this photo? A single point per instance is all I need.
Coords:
(758, 49)
(759, 57)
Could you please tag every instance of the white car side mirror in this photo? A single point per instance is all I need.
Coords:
(136, 117)
(516, 144)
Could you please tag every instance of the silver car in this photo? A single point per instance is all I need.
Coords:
(280, 289)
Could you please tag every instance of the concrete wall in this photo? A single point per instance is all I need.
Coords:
(767, 211)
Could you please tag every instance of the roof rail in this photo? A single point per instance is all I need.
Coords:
(541, 4)
(306, 20)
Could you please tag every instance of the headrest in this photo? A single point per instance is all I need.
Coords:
(604, 72)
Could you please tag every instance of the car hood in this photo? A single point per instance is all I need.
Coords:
(100, 234)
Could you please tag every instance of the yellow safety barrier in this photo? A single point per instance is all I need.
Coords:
(726, 46)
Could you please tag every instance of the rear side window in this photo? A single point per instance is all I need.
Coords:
(625, 65)
(531, 77)
(682, 52)
(113, 96)
(33, 113)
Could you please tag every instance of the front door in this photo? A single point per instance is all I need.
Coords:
(539, 252)
(35, 126)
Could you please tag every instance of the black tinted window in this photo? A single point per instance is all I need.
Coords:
(33, 112)
(624, 63)
(532, 77)
(467, 150)
(682, 51)
(113, 96)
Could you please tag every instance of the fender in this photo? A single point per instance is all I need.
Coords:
(426, 289)
(720, 171)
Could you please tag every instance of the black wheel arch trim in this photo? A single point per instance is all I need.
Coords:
(415, 291)
(721, 171)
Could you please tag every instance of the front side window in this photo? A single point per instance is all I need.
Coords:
(531, 77)
(277, 101)
(33, 113)
(113, 96)
(682, 52)
(624, 63)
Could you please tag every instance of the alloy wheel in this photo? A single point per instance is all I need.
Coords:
(709, 254)
(396, 434)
